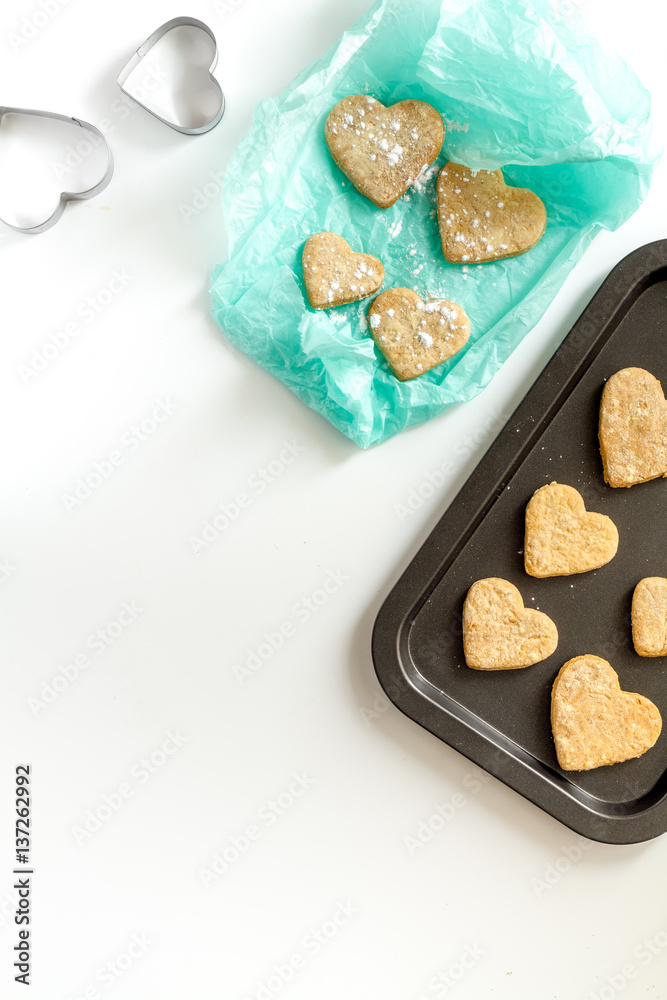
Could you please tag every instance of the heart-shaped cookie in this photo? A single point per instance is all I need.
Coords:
(649, 616)
(562, 537)
(415, 335)
(633, 428)
(333, 274)
(594, 723)
(383, 150)
(481, 218)
(499, 633)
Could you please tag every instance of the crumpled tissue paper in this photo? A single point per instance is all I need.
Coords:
(521, 85)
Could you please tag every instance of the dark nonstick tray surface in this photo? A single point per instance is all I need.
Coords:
(501, 720)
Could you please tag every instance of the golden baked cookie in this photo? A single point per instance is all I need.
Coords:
(633, 428)
(594, 723)
(383, 150)
(499, 633)
(415, 335)
(334, 275)
(562, 537)
(649, 616)
(481, 218)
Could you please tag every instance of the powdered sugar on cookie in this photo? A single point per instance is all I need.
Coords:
(416, 336)
(334, 275)
(482, 219)
(383, 150)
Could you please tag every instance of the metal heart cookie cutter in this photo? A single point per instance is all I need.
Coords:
(40, 176)
(170, 76)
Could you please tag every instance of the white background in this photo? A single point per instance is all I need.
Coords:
(495, 881)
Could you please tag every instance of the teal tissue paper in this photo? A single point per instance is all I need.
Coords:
(520, 85)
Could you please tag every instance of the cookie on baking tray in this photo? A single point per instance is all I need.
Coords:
(649, 616)
(594, 722)
(562, 537)
(415, 335)
(633, 428)
(483, 219)
(383, 149)
(499, 633)
(334, 275)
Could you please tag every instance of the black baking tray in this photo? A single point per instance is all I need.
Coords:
(501, 720)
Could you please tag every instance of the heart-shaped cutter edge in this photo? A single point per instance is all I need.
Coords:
(65, 196)
(145, 47)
